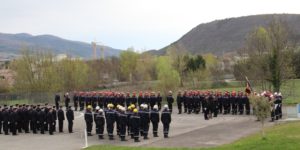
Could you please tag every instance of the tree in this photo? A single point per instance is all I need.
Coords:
(146, 68)
(35, 72)
(262, 110)
(179, 56)
(73, 74)
(39, 72)
(168, 77)
(280, 56)
(196, 68)
(296, 63)
(128, 61)
(268, 56)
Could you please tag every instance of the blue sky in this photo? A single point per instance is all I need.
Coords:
(142, 24)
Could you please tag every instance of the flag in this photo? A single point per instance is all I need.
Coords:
(248, 86)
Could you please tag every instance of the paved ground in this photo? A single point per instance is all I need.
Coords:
(186, 131)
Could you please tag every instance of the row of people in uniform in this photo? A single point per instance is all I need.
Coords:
(213, 102)
(83, 99)
(34, 118)
(135, 121)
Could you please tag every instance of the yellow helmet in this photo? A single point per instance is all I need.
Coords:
(129, 107)
(135, 110)
(89, 107)
(132, 106)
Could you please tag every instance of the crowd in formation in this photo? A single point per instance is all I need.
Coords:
(33, 118)
(127, 114)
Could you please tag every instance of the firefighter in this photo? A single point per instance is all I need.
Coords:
(57, 100)
(159, 100)
(170, 101)
(88, 117)
(135, 124)
(61, 118)
(50, 121)
(70, 118)
(99, 121)
(154, 117)
(179, 102)
(122, 123)
(67, 100)
(110, 116)
(166, 120)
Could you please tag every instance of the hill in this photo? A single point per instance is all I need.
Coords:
(227, 35)
(12, 44)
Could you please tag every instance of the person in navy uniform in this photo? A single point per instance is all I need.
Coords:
(166, 120)
(135, 124)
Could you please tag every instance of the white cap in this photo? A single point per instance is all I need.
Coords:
(100, 110)
(97, 107)
(275, 93)
(279, 93)
(67, 93)
(155, 107)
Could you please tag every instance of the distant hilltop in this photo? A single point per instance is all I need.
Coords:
(227, 35)
(12, 44)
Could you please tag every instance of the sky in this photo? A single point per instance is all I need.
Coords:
(142, 24)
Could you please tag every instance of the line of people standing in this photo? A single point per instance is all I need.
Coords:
(33, 118)
(213, 103)
(128, 121)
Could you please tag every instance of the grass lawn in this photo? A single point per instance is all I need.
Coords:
(13, 102)
(285, 136)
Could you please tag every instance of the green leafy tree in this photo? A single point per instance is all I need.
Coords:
(269, 56)
(128, 61)
(168, 77)
(262, 110)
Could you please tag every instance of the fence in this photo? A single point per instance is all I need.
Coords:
(26, 98)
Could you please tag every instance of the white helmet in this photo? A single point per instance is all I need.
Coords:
(145, 106)
(155, 107)
(123, 109)
(100, 110)
(275, 93)
(166, 106)
(97, 107)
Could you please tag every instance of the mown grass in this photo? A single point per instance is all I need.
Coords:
(13, 102)
(285, 136)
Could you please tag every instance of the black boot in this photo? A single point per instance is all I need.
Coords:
(123, 138)
(132, 137)
(101, 137)
(155, 134)
(111, 138)
(166, 136)
(136, 139)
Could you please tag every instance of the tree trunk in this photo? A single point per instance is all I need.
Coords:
(262, 129)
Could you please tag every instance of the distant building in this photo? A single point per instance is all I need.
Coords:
(6, 74)
(60, 57)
